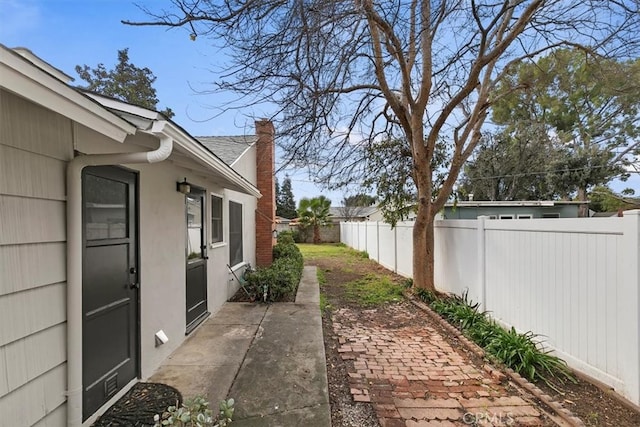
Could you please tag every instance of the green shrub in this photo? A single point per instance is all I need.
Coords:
(521, 352)
(279, 281)
(524, 354)
(286, 237)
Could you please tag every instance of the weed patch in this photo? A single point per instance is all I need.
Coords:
(321, 277)
(373, 290)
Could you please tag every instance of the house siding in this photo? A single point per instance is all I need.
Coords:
(35, 144)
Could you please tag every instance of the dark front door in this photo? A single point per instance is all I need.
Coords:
(109, 284)
(196, 260)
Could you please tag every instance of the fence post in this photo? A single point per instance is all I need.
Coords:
(482, 262)
(629, 355)
(395, 249)
(378, 240)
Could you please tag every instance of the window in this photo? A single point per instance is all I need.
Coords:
(525, 216)
(195, 226)
(235, 233)
(216, 219)
(106, 208)
(506, 216)
(551, 215)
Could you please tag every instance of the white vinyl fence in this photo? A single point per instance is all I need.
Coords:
(575, 282)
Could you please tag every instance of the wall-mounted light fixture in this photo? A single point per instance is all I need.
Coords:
(183, 187)
(274, 233)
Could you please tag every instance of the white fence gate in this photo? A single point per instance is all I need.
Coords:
(575, 282)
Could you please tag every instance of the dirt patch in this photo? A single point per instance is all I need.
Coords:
(592, 405)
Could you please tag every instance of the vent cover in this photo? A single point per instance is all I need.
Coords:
(111, 385)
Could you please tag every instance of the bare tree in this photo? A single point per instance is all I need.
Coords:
(345, 74)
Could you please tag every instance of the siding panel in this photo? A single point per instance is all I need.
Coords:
(57, 418)
(31, 175)
(24, 267)
(24, 313)
(34, 355)
(34, 128)
(4, 383)
(33, 401)
(31, 220)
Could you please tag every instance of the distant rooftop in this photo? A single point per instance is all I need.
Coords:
(228, 148)
(513, 203)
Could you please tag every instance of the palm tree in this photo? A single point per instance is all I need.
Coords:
(314, 212)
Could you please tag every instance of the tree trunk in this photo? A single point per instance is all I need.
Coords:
(423, 249)
(583, 210)
(316, 234)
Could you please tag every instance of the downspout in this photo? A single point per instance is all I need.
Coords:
(74, 256)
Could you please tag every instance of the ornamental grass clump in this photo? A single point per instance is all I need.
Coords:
(522, 352)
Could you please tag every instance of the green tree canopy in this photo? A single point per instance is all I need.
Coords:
(589, 104)
(125, 82)
(314, 213)
(359, 200)
(513, 165)
(604, 199)
(285, 203)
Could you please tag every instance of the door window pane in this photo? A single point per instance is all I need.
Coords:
(105, 202)
(194, 226)
(235, 233)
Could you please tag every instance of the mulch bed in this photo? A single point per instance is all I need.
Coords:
(138, 407)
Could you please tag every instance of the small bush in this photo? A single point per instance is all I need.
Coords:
(425, 295)
(279, 281)
(286, 237)
(195, 412)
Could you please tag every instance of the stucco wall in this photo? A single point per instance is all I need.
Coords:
(163, 246)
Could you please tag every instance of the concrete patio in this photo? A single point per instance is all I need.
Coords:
(269, 358)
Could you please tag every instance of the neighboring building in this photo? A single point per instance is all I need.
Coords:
(512, 209)
(355, 213)
(115, 225)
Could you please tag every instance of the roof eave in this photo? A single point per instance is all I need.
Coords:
(197, 151)
(22, 77)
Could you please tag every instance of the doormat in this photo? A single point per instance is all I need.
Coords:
(138, 407)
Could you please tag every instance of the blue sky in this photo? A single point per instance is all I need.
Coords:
(67, 33)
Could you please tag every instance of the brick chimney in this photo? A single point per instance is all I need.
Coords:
(266, 210)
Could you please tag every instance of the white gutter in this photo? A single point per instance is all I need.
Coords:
(74, 255)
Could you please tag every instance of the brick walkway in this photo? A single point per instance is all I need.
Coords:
(414, 377)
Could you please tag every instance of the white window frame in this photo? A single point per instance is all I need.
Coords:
(507, 216)
(223, 219)
(525, 216)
